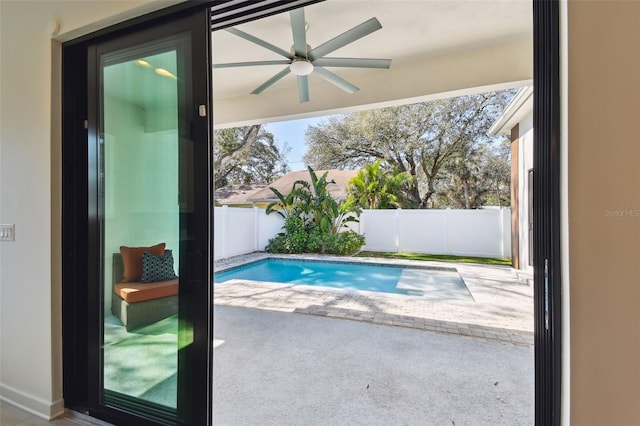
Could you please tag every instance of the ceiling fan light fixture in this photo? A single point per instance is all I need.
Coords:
(301, 67)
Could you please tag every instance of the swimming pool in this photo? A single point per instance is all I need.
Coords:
(437, 283)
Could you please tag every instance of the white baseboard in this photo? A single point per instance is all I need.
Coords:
(38, 407)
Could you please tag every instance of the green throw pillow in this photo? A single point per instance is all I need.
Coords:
(157, 268)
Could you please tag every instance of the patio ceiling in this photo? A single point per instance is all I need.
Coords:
(438, 49)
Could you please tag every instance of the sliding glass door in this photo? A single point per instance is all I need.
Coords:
(145, 292)
(140, 228)
(137, 294)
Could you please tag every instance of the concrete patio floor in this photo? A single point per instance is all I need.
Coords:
(402, 360)
(278, 368)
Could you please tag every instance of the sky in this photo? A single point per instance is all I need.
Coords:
(292, 133)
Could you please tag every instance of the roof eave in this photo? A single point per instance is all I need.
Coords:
(520, 105)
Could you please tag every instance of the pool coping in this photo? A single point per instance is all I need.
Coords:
(502, 309)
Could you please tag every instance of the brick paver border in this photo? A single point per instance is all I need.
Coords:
(516, 337)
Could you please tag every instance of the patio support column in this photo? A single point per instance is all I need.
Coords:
(515, 197)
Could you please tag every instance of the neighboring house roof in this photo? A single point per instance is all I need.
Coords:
(237, 194)
(337, 190)
(520, 106)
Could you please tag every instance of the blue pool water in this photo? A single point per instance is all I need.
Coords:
(433, 283)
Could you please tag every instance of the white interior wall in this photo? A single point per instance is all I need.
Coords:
(30, 281)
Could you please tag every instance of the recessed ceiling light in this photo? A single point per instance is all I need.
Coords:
(143, 63)
(165, 73)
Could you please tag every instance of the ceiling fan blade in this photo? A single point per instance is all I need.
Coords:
(299, 34)
(259, 42)
(345, 38)
(303, 88)
(251, 64)
(335, 79)
(352, 62)
(271, 81)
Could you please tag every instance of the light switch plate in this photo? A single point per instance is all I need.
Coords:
(7, 232)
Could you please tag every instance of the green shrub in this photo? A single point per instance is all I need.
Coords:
(348, 242)
(293, 240)
(314, 220)
(315, 241)
(319, 242)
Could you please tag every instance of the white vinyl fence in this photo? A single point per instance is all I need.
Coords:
(242, 230)
(485, 232)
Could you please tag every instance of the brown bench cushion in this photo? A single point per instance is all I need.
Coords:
(139, 292)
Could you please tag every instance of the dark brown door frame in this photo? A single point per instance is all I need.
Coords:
(546, 217)
(80, 216)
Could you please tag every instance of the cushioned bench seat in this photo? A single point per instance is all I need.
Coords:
(136, 303)
(139, 292)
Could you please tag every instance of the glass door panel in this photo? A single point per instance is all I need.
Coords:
(140, 223)
(136, 236)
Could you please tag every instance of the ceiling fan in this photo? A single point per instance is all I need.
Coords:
(304, 60)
